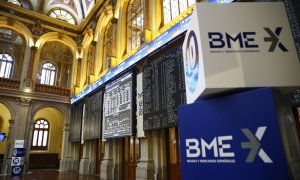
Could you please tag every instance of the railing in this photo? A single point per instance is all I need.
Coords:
(9, 83)
(52, 89)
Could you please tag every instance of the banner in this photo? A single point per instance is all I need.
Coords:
(237, 48)
(232, 137)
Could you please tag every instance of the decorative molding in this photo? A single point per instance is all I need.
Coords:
(23, 100)
(7, 92)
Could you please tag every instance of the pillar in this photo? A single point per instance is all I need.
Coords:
(145, 167)
(107, 162)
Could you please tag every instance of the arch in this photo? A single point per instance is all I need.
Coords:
(62, 14)
(78, 15)
(55, 36)
(104, 19)
(86, 42)
(19, 27)
(44, 105)
(9, 107)
(88, 38)
(121, 44)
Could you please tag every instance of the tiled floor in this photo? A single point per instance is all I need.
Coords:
(49, 174)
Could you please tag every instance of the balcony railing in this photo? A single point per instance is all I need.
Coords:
(63, 91)
(9, 83)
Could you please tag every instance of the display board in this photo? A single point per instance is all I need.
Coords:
(117, 107)
(92, 117)
(293, 11)
(163, 89)
(75, 122)
(294, 97)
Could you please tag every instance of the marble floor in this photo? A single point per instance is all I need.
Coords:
(48, 174)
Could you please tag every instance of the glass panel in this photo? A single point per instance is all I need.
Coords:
(68, 16)
(42, 126)
(52, 78)
(46, 126)
(174, 8)
(42, 121)
(64, 13)
(40, 138)
(45, 138)
(35, 134)
(2, 70)
(53, 15)
(57, 12)
(183, 5)
(43, 78)
(71, 21)
(36, 126)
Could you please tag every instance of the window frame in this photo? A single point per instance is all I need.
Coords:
(65, 19)
(106, 42)
(132, 43)
(38, 129)
(10, 73)
(180, 10)
(55, 73)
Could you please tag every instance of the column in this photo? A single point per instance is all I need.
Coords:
(67, 157)
(107, 162)
(145, 167)
(85, 160)
(28, 84)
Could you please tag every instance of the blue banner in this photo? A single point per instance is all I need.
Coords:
(232, 137)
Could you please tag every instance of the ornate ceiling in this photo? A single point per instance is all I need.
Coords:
(71, 11)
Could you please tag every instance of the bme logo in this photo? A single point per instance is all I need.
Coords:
(245, 40)
(222, 148)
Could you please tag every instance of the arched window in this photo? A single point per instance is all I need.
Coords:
(6, 65)
(48, 73)
(91, 60)
(62, 14)
(23, 3)
(15, 2)
(108, 40)
(40, 135)
(135, 24)
(172, 8)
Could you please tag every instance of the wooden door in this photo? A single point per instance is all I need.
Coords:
(131, 154)
(173, 157)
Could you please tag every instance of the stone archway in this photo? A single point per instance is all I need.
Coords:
(47, 156)
(5, 116)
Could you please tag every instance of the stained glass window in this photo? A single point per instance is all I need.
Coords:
(62, 15)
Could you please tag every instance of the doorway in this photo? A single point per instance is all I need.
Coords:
(173, 156)
(46, 139)
(131, 154)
